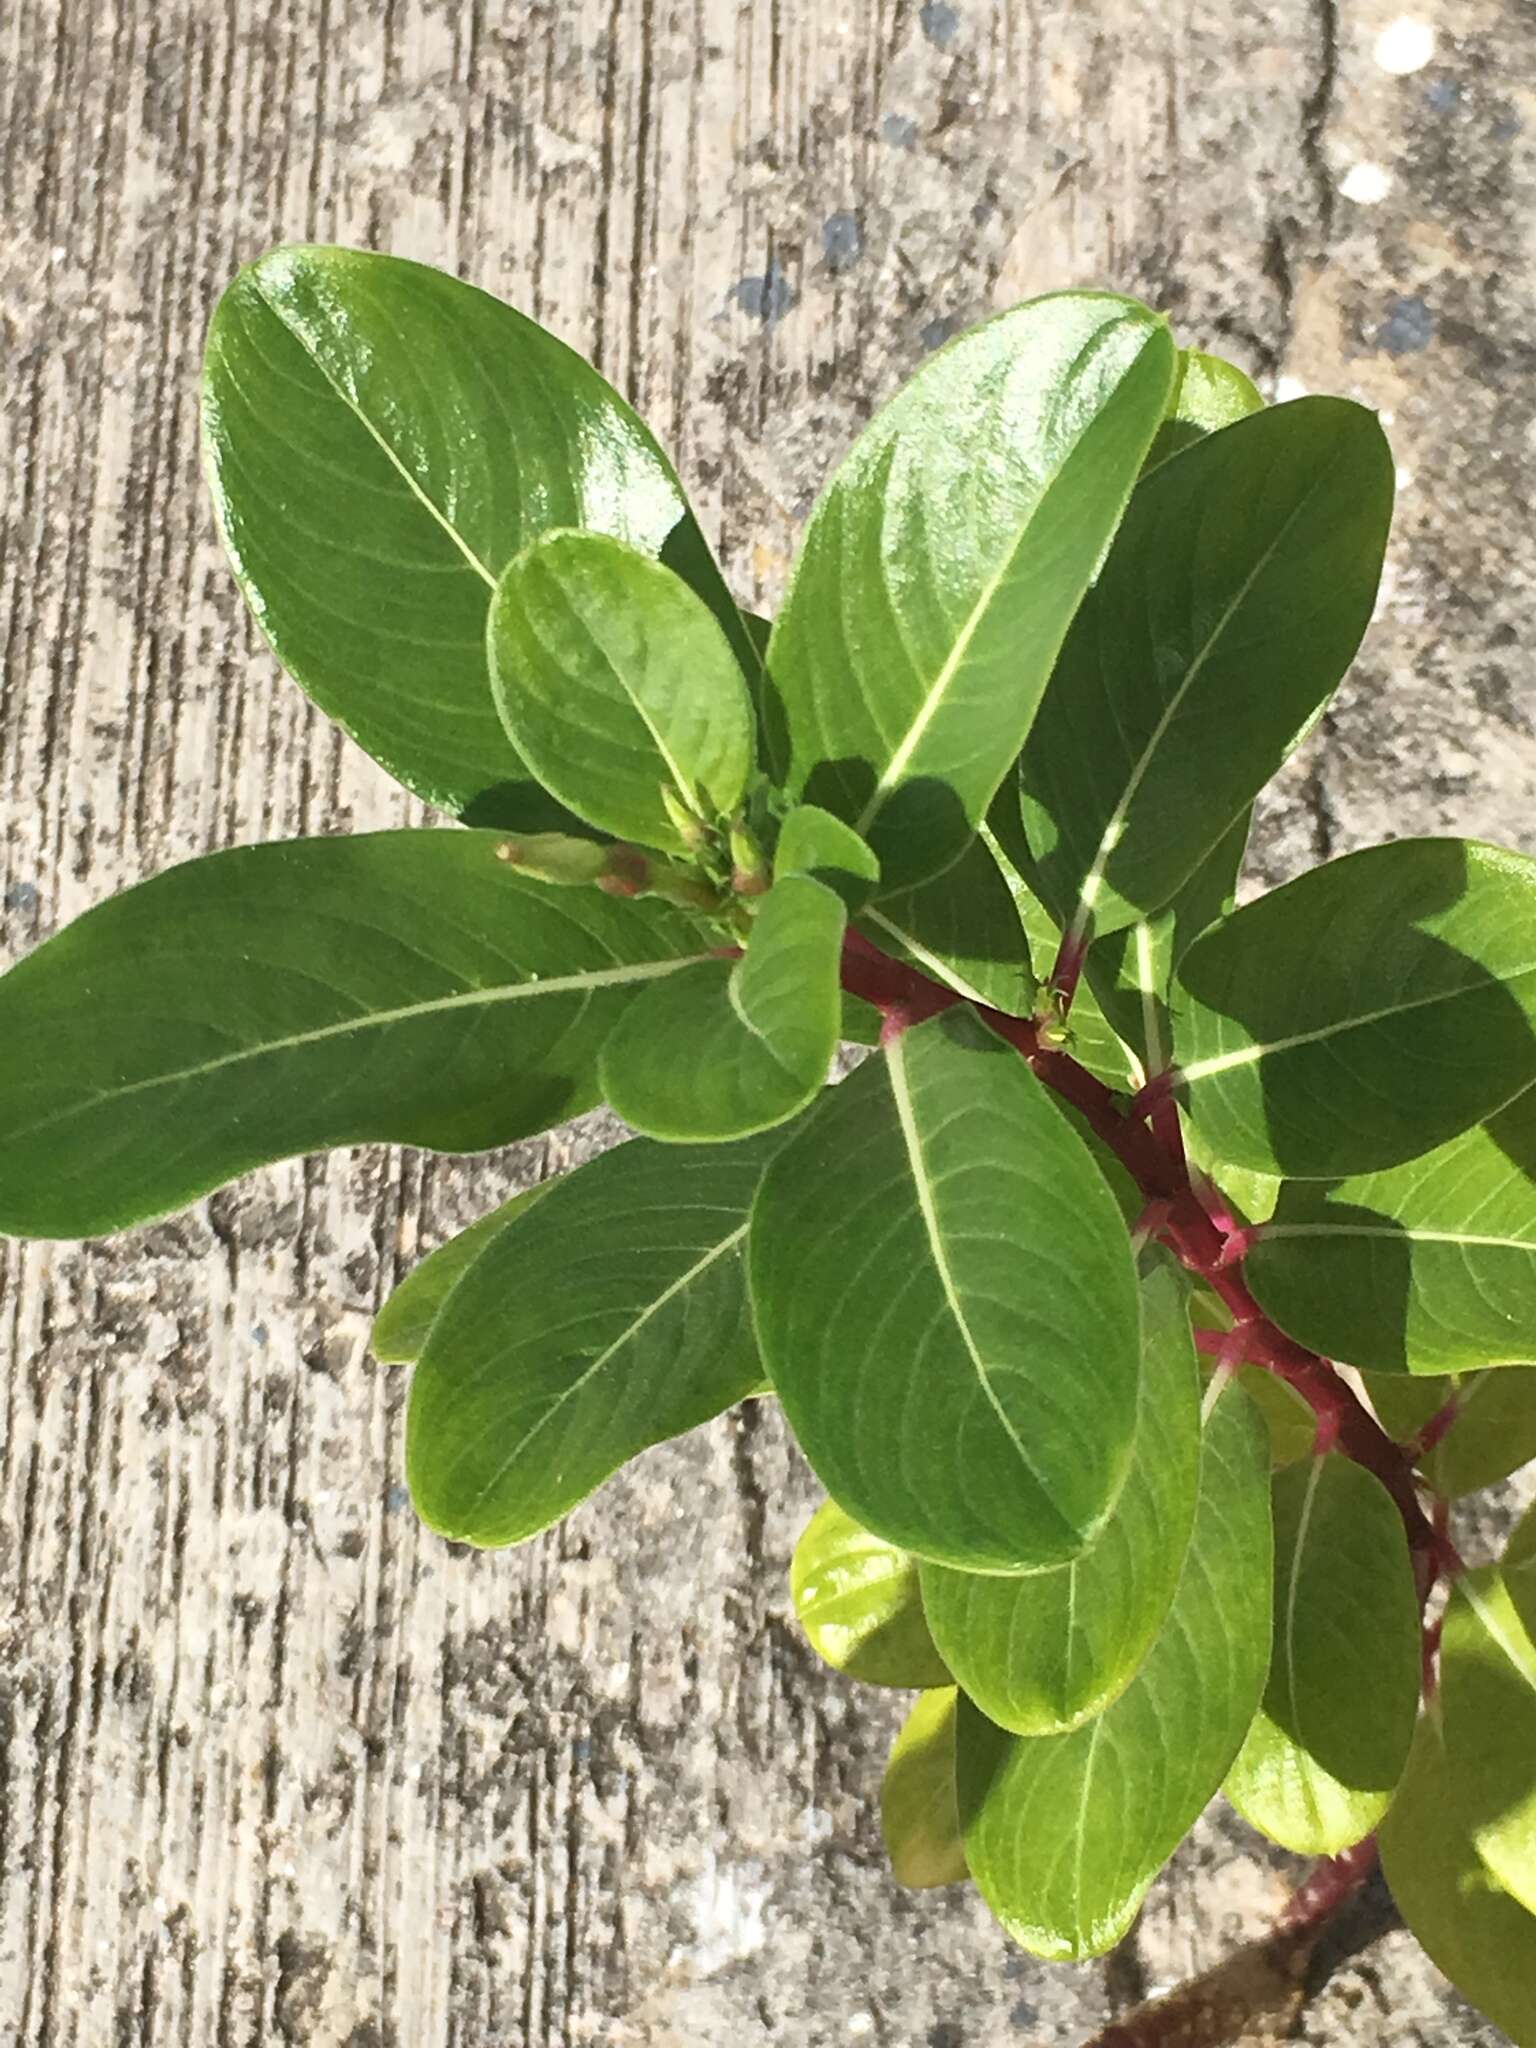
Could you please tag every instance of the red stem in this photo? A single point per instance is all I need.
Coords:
(1153, 1154)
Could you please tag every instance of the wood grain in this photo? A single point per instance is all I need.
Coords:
(274, 1765)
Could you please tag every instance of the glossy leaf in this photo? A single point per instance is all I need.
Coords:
(1064, 1833)
(945, 559)
(1043, 1652)
(1320, 1763)
(960, 1387)
(402, 986)
(1209, 394)
(1424, 1268)
(962, 929)
(401, 1326)
(1492, 1435)
(1488, 1707)
(608, 1316)
(918, 1817)
(381, 440)
(1364, 1014)
(1482, 1939)
(815, 843)
(1233, 600)
(858, 1601)
(614, 681)
(733, 1047)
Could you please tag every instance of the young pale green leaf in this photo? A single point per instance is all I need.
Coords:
(859, 1603)
(1095, 1043)
(1493, 1432)
(615, 682)
(1318, 1767)
(962, 928)
(1365, 1013)
(401, 1326)
(815, 843)
(1209, 394)
(405, 987)
(944, 561)
(1064, 1833)
(1488, 1708)
(1482, 1939)
(733, 1047)
(381, 440)
(918, 1815)
(1243, 575)
(609, 1316)
(1424, 1268)
(947, 1305)
(1043, 1652)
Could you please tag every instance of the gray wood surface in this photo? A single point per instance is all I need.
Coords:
(274, 1765)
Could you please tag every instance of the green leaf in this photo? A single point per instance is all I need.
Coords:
(1064, 1833)
(858, 1601)
(1209, 394)
(614, 682)
(1493, 1434)
(918, 1817)
(1095, 1043)
(962, 929)
(734, 1047)
(1488, 1707)
(1233, 600)
(1423, 1268)
(815, 843)
(1320, 1763)
(947, 1305)
(1131, 971)
(1472, 1929)
(401, 1326)
(1364, 1013)
(609, 1316)
(403, 987)
(381, 440)
(945, 559)
(1044, 1652)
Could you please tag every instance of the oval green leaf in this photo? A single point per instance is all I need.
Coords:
(1424, 1268)
(1482, 1939)
(1488, 1710)
(945, 559)
(1318, 1767)
(1210, 394)
(614, 681)
(401, 1327)
(860, 1605)
(961, 1387)
(963, 929)
(1244, 573)
(733, 1047)
(1064, 1833)
(815, 843)
(918, 1815)
(607, 1317)
(381, 440)
(1043, 1652)
(399, 987)
(1365, 1013)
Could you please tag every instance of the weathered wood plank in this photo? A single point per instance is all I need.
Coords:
(273, 1764)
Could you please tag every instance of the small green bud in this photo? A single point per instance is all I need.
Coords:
(552, 857)
(690, 829)
(749, 865)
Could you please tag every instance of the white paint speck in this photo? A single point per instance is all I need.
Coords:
(1287, 388)
(1404, 479)
(861, 2023)
(728, 1903)
(1367, 184)
(1405, 45)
